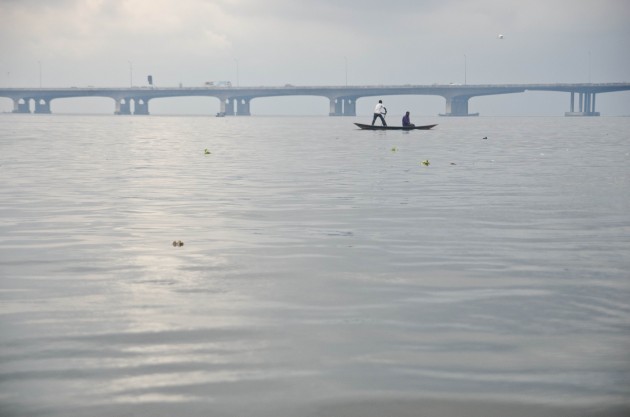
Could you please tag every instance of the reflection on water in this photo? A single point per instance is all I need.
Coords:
(325, 271)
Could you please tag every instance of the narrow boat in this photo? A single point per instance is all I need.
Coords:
(375, 127)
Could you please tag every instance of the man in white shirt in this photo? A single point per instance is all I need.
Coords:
(379, 111)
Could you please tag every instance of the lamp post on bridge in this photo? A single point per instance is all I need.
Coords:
(6, 70)
(465, 69)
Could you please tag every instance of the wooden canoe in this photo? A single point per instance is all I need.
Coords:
(379, 127)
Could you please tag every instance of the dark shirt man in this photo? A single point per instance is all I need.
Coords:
(406, 122)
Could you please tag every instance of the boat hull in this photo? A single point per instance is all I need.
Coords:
(374, 127)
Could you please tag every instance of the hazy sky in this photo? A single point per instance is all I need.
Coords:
(309, 42)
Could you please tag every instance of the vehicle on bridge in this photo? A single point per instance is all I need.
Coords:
(218, 84)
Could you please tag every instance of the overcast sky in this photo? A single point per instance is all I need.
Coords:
(314, 42)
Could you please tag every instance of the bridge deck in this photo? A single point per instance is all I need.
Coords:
(342, 98)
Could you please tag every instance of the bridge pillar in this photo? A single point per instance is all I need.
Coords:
(457, 106)
(42, 106)
(21, 105)
(350, 106)
(227, 106)
(336, 106)
(586, 105)
(242, 106)
(141, 106)
(123, 106)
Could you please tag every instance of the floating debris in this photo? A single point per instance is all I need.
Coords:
(485, 137)
(426, 163)
(207, 152)
(453, 163)
(177, 243)
(394, 149)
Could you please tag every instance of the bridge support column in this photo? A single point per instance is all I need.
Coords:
(227, 106)
(21, 105)
(242, 106)
(42, 106)
(336, 106)
(122, 106)
(141, 106)
(457, 106)
(586, 105)
(349, 106)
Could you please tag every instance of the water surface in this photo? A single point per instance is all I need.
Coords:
(325, 270)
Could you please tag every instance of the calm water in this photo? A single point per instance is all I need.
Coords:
(325, 270)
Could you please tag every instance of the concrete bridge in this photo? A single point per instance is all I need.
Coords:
(236, 100)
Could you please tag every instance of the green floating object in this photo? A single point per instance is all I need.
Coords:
(426, 163)
(207, 152)
(394, 149)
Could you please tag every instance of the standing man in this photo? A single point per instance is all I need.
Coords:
(379, 111)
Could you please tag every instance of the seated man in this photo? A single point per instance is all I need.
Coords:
(406, 122)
